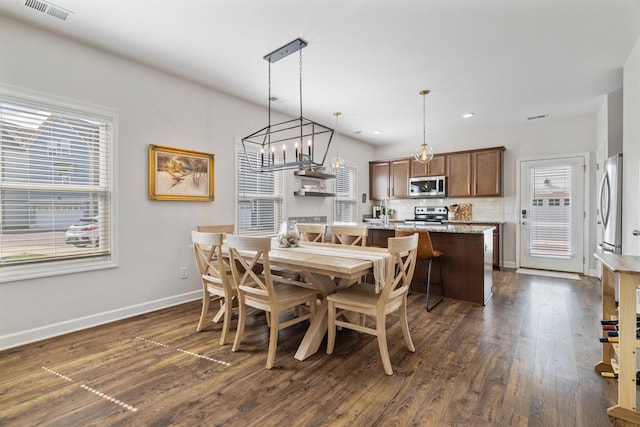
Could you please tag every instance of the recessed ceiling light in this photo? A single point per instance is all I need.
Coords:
(468, 115)
(377, 132)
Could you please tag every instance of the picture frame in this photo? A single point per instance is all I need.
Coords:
(176, 174)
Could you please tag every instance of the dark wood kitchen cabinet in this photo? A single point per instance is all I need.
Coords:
(436, 167)
(378, 180)
(487, 172)
(471, 173)
(389, 179)
(399, 178)
(476, 173)
(459, 174)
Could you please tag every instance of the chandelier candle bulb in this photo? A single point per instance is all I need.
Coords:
(262, 157)
(309, 148)
(273, 155)
(284, 154)
(296, 145)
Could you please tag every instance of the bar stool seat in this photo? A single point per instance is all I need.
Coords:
(426, 253)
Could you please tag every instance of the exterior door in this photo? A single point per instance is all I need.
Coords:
(552, 214)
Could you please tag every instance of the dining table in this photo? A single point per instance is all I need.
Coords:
(328, 267)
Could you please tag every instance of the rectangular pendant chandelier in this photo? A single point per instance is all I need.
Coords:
(298, 143)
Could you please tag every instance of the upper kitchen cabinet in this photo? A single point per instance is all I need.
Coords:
(436, 167)
(487, 172)
(389, 179)
(475, 173)
(378, 180)
(459, 174)
(399, 178)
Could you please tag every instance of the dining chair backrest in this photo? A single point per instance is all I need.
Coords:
(312, 232)
(212, 265)
(349, 235)
(257, 286)
(222, 228)
(400, 267)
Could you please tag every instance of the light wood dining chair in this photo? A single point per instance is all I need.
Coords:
(349, 235)
(362, 299)
(261, 292)
(312, 232)
(215, 273)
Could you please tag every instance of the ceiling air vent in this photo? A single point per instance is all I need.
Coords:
(541, 116)
(49, 8)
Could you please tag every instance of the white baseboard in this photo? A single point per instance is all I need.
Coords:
(56, 329)
(509, 264)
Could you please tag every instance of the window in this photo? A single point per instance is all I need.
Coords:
(345, 202)
(550, 226)
(260, 198)
(55, 187)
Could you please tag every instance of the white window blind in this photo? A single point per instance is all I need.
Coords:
(260, 198)
(55, 169)
(550, 220)
(346, 198)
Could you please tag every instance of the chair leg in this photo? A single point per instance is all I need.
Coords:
(381, 332)
(203, 314)
(242, 317)
(273, 340)
(429, 285)
(405, 325)
(227, 319)
(331, 327)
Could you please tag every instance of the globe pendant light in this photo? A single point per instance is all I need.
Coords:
(424, 152)
(337, 162)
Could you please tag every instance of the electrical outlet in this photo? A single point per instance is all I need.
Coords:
(184, 272)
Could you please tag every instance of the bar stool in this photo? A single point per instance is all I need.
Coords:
(426, 253)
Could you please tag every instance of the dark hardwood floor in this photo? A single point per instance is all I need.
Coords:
(526, 359)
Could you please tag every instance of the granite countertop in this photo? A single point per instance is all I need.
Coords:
(475, 221)
(444, 228)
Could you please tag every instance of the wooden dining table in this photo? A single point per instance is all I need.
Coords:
(328, 267)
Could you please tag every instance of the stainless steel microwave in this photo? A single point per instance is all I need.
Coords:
(428, 186)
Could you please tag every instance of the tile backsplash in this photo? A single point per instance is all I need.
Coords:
(482, 208)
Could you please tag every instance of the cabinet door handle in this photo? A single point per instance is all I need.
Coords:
(636, 232)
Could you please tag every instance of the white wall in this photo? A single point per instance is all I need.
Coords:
(152, 236)
(631, 154)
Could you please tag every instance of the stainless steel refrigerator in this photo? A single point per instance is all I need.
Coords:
(610, 205)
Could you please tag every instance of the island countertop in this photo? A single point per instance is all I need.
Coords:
(436, 228)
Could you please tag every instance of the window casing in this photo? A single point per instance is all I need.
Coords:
(56, 161)
(345, 202)
(259, 196)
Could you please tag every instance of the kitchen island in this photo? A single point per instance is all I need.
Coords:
(467, 263)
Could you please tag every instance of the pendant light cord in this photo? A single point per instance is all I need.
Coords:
(424, 119)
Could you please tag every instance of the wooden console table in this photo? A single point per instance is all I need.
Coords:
(626, 269)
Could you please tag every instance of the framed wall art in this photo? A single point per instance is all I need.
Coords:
(176, 174)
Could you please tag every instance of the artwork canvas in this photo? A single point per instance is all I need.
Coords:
(176, 174)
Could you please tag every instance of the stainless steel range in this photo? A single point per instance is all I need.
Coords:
(428, 215)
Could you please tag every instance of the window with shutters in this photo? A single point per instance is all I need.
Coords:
(55, 173)
(345, 202)
(260, 199)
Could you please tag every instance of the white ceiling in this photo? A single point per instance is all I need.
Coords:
(505, 60)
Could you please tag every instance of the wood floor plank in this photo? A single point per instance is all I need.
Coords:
(525, 359)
